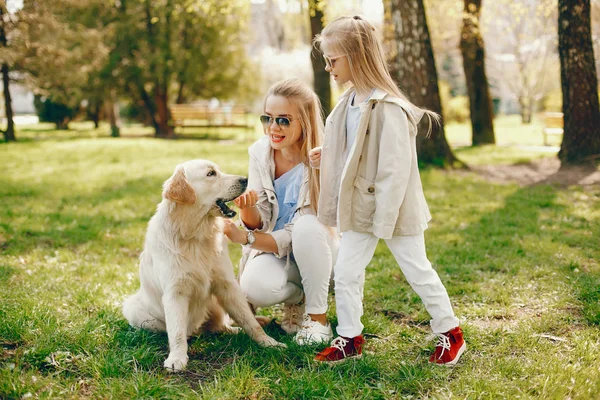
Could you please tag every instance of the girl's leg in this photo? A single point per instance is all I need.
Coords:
(266, 282)
(315, 250)
(410, 254)
(356, 251)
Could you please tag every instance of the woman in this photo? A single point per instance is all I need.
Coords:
(288, 254)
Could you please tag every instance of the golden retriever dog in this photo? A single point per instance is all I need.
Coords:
(187, 283)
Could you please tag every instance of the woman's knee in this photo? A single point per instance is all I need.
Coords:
(307, 226)
(308, 232)
(260, 283)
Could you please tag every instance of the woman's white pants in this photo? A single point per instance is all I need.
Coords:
(356, 251)
(267, 280)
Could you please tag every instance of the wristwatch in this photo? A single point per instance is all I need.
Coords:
(250, 239)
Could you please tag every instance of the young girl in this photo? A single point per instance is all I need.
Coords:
(371, 188)
(288, 254)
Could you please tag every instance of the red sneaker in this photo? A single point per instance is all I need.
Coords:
(449, 347)
(341, 349)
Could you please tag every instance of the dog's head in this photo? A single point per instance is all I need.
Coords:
(201, 184)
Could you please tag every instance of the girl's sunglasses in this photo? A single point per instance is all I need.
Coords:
(282, 122)
(330, 61)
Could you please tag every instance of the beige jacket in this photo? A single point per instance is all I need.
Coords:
(378, 189)
(261, 175)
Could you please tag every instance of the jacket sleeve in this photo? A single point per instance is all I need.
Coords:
(393, 169)
(264, 207)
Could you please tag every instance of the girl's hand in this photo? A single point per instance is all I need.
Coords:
(234, 234)
(246, 200)
(314, 157)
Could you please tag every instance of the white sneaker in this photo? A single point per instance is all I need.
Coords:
(313, 332)
(292, 317)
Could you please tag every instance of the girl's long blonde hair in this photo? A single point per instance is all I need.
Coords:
(311, 121)
(357, 39)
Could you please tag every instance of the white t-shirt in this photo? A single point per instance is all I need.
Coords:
(352, 122)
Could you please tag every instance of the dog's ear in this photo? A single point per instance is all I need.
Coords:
(179, 190)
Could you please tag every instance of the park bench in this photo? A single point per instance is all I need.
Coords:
(552, 125)
(205, 116)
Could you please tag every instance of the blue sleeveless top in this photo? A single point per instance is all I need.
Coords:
(287, 190)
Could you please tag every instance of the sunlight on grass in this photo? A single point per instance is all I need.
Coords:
(520, 264)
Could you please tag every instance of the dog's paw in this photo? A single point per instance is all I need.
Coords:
(268, 341)
(234, 329)
(176, 363)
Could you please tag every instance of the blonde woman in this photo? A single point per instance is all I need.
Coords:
(288, 254)
(371, 188)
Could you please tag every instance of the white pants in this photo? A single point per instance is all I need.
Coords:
(267, 281)
(356, 251)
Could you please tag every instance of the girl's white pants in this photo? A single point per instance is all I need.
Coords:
(356, 251)
(267, 280)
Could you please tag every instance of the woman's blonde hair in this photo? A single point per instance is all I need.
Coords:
(310, 116)
(357, 39)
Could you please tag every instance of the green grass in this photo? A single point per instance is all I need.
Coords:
(520, 265)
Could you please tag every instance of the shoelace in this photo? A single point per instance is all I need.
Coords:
(339, 343)
(444, 343)
(307, 321)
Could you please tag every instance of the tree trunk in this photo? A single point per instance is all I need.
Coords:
(416, 75)
(95, 114)
(180, 93)
(581, 138)
(526, 104)
(322, 81)
(9, 133)
(162, 113)
(114, 116)
(63, 124)
(480, 102)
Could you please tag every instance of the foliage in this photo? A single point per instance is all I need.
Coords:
(199, 46)
(552, 101)
(525, 60)
(50, 111)
(54, 52)
(455, 108)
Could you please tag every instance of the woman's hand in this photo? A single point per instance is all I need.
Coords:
(246, 200)
(234, 234)
(314, 157)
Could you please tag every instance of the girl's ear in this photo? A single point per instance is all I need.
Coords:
(179, 190)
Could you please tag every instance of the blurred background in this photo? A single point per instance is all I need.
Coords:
(123, 62)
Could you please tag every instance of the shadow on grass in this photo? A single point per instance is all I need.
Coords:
(515, 236)
(62, 225)
(495, 248)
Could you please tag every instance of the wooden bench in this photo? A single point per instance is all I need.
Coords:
(203, 116)
(553, 125)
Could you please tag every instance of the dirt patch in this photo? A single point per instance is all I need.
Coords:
(540, 171)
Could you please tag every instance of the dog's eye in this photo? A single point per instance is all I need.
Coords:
(212, 172)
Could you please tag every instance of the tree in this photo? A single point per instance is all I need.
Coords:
(525, 62)
(9, 133)
(581, 138)
(416, 75)
(321, 77)
(56, 112)
(177, 50)
(56, 54)
(472, 48)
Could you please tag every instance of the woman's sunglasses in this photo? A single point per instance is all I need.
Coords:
(283, 122)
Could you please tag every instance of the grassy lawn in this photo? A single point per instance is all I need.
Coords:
(521, 264)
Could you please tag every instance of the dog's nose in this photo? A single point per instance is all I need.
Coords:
(244, 182)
